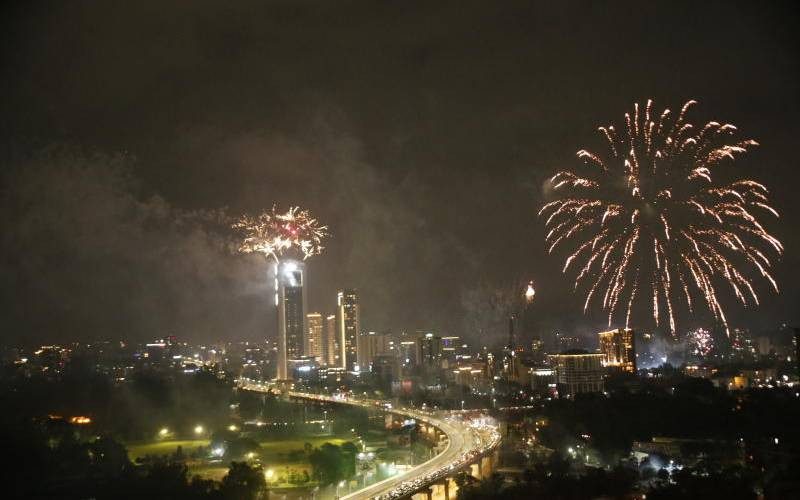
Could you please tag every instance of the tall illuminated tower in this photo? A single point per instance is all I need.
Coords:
(329, 353)
(277, 235)
(619, 349)
(313, 341)
(349, 327)
(290, 297)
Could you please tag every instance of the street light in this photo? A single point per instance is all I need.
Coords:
(198, 429)
(339, 485)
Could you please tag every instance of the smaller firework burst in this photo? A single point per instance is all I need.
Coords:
(701, 342)
(272, 233)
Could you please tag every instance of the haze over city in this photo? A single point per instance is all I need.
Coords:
(421, 134)
(417, 250)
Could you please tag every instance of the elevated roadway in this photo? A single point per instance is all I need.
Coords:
(466, 445)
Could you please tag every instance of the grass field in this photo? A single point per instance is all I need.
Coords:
(165, 447)
(212, 471)
(273, 451)
(273, 454)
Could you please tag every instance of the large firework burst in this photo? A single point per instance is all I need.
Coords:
(272, 233)
(647, 222)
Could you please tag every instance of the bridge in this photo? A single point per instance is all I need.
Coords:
(469, 448)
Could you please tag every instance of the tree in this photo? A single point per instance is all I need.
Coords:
(243, 482)
(332, 463)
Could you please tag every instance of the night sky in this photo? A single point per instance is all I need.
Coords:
(420, 132)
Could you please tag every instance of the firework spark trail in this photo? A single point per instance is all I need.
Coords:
(651, 215)
(272, 233)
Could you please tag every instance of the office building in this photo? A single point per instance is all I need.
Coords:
(349, 327)
(472, 374)
(290, 299)
(742, 346)
(451, 348)
(619, 348)
(537, 351)
(313, 342)
(330, 356)
(428, 349)
(542, 379)
(371, 344)
(578, 372)
(407, 352)
(303, 368)
(386, 369)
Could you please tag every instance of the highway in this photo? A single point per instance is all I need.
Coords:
(465, 442)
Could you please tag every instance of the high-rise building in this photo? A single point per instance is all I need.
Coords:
(407, 352)
(742, 345)
(313, 341)
(330, 356)
(290, 299)
(370, 345)
(349, 319)
(386, 369)
(619, 348)
(537, 351)
(542, 379)
(450, 347)
(578, 371)
(429, 349)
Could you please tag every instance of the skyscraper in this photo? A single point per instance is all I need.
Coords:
(313, 342)
(290, 299)
(371, 345)
(349, 319)
(578, 371)
(329, 344)
(618, 347)
(429, 349)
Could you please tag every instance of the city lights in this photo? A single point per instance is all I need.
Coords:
(357, 251)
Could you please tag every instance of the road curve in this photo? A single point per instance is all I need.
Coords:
(464, 442)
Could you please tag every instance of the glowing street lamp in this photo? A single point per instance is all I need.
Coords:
(198, 429)
(163, 432)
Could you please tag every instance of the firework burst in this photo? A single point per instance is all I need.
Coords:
(646, 222)
(272, 233)
(701, 342)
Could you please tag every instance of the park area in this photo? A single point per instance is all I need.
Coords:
(285, 461)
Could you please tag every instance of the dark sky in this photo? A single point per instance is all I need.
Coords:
(420, 132)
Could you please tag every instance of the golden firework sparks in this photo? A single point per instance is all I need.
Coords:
(648, 222)
(272, 233)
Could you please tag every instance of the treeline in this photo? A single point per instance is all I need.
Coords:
(554, 480)
(691, 409)
(49, 459)
(130, 410)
